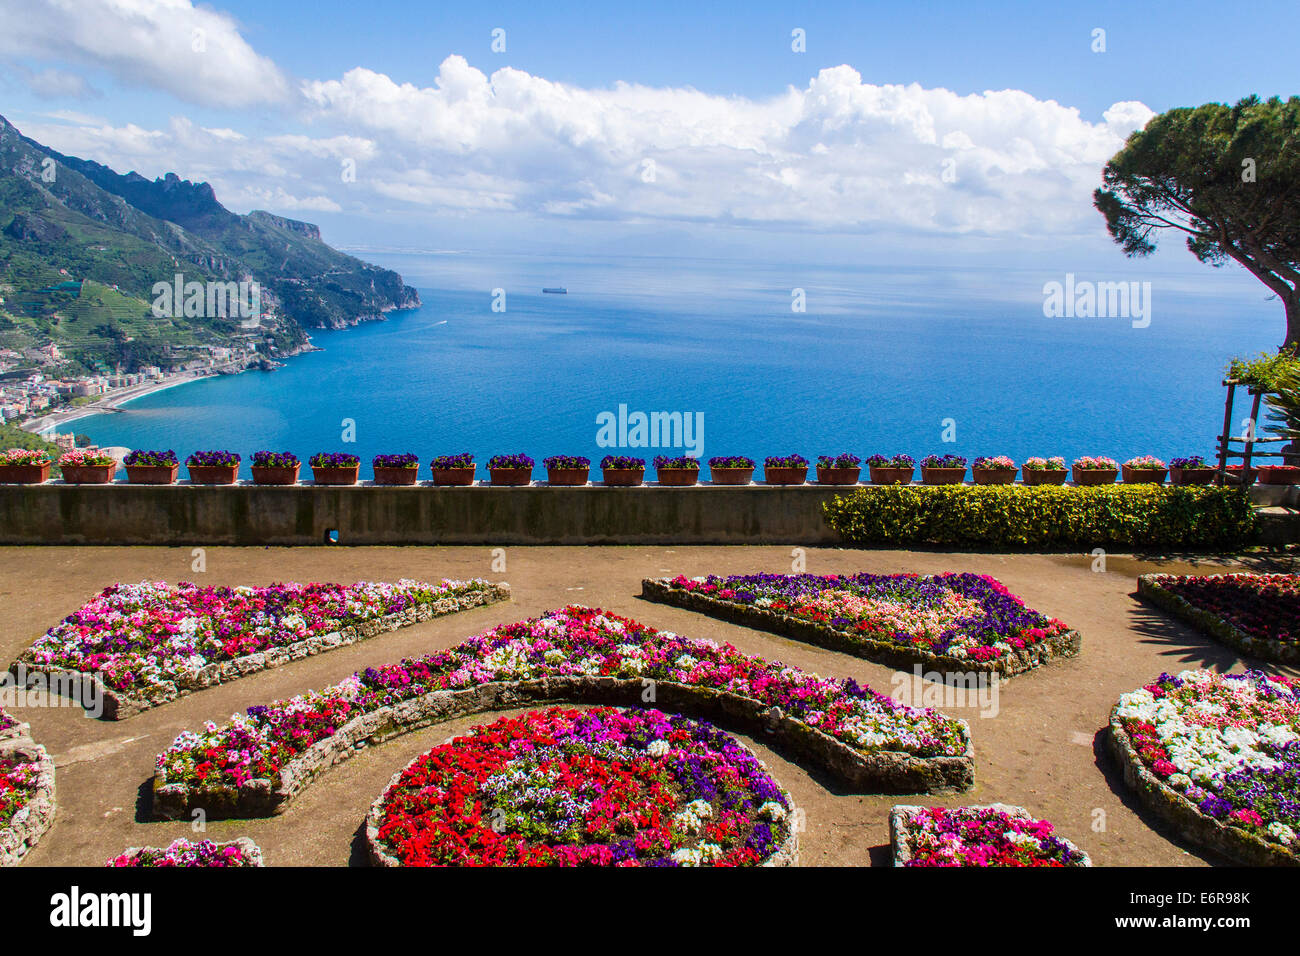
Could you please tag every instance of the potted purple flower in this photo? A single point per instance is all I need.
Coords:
(567, 470)
(81, 467)
(993, 470)
(1190, 471)
(622, 471)
(395, 469)
(457, 470)
(24, 466)
(510, 470)
(213, 467)
(731, 470)
(838, 469)
(334, 468)
(677, 472)
(897, 470)
(275, 468)
(1146, 470)
(1045, 471)
(151, 467)
(785, 470)
(943, 470)
(1094, 470)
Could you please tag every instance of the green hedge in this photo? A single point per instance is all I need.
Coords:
(1050, 517)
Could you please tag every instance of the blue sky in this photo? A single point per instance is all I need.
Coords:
(1165, 54)
(635, 127)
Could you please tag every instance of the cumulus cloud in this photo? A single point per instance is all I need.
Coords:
(196, 53)
(839, 152)
(836, 154)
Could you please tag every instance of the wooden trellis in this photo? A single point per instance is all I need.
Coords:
(1249, 440)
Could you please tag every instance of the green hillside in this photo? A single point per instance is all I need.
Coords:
(81, 248)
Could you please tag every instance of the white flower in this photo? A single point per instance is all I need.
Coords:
(772, 811)
(658, 748)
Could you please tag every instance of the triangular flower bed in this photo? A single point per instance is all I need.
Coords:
(27, 798)
(954, 623)
(255, 764)
(1218, 757)
(137, 646)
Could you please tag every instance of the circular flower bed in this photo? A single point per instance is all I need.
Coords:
(599, 787)
(958, 621)
(1219, 755)
(148, 642)
(188, 853)
(996, 835)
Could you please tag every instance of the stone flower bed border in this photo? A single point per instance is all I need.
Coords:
(902, 851)
(1185, 817)
(1015, 662)
(874, 772)
(118, 705)
(252, 852)
(17, 839)
(787, 854)
(1150, 589)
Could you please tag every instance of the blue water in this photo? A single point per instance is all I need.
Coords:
(879, 361)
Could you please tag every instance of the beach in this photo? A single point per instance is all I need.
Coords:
(110, 400)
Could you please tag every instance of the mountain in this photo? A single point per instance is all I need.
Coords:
(82, 246)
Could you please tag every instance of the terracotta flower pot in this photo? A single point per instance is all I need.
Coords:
(396, 476)
(993, 476)
(785, 476)
(568, 477)
(276, 474)
(1045, 476)
(1191, 476)
(1279, 475)
(89, 474)
(24, 474)
(622, 477)
(943, 476)
(731, 476)
(152, 474)
(1143, 476)
(838, 476)
(1089, 477)
(457, 477)
(510, 477)
(891, 476)
(213, 474)
(678, 477)
(342, 475)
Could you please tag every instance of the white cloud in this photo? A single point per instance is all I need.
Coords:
(838, 153)
(196, 53)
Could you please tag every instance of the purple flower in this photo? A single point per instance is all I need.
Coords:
(342, 459)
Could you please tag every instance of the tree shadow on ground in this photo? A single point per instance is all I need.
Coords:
(1114, 777)
(1185, 646)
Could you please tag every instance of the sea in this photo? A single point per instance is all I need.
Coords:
(760, 359)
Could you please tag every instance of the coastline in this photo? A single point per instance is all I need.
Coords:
(48, 423)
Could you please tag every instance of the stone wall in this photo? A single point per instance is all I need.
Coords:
(30, 823)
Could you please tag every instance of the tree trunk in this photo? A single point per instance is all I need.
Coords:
(1292, 322)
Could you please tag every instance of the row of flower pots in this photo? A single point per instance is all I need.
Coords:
(283, 468)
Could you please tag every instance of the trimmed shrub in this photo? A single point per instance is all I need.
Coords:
(1009, 516)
